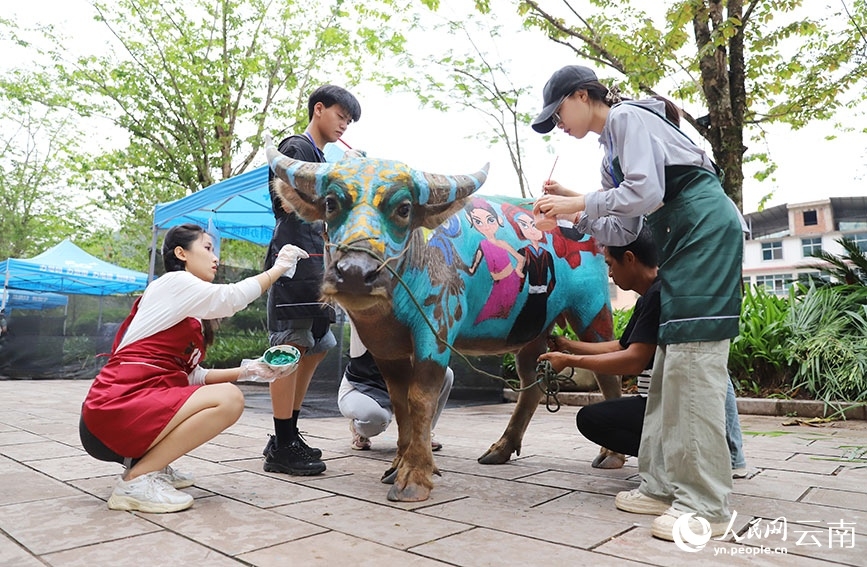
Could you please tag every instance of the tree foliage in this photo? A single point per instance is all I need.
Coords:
(36, 147)
(194, 84)
(748, 63)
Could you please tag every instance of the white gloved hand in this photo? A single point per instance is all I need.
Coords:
(355, 154)
(258, 371)
(288, 258)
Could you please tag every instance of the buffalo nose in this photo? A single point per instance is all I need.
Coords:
(355, 273)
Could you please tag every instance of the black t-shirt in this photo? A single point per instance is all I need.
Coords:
(643, 326)
(298, 297)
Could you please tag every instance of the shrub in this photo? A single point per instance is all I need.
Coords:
(827, 346)
(230, 348)
(759, 354)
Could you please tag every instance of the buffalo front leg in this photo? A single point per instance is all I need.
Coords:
(413, 467)
(528, 400)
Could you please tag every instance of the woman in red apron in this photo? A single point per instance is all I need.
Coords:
(152, 402)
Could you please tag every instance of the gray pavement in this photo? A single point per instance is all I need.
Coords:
(806, 504)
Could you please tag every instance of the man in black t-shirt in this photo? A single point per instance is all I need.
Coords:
(296, 316)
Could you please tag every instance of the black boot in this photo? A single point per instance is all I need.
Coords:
(291, 459)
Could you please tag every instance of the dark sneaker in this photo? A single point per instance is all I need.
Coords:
(315, 453)
(292, 459)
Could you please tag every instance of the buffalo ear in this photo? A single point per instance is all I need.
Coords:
(300, 203)
(431, 216)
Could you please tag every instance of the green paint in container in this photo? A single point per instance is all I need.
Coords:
(281, 356)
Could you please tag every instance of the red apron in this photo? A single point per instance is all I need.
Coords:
(143, 386)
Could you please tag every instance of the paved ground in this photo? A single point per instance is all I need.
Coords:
(807, 504)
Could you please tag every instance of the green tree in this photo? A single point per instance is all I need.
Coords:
(37, 143)
(750, 63)
(194, 84)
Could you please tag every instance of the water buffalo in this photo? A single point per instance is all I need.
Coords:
(422, 266)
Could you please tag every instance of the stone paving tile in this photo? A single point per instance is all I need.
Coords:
(336, 549)
(39, 451)
(234, 527)
(13, 554)
(160, 548)
(539, 522)
(258, 490)
(389, 526)
(546, 507)
(45, 526)
(20, 484)
(481, 547)
(18, 438)
(77, 467)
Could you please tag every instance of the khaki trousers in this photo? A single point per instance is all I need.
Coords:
(683, 457)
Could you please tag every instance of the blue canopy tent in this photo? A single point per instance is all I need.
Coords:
(68, 269)
(238, 208)
(32, 300)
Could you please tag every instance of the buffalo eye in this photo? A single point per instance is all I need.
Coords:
(403, 210)
(331, 205)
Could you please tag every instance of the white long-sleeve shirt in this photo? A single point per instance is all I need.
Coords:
(173, 297)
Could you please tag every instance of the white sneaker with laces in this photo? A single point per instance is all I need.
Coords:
(176, 478)
(149, 493)
(637, 503)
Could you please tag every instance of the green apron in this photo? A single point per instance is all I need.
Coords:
(700, 243)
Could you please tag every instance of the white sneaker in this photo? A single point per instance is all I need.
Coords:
(176, 478)
(740, 473)
(149, 493)
(637, 503)
(435, 445)
(359, 442)
(663, 526)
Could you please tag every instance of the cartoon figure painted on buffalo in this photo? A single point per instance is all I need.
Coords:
(409, 303)
(496, 254)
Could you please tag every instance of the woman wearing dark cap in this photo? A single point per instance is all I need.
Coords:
(652, 172)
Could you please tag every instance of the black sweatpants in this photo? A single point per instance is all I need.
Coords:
(614, 424)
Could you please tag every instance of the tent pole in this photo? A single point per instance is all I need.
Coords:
(153, 258)
(99, 318)
(5, 287)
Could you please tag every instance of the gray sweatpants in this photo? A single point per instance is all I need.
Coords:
(371, 419)
(683, 457)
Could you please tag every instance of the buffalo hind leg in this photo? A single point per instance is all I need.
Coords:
(528, 400)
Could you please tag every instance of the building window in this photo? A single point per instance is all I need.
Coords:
(810, 218)
(772, 250)
(811, 246)
(778, 284)
(860, 239)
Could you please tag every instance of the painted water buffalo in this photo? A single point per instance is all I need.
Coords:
(423, 266)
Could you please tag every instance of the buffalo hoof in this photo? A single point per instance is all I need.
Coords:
(607, 459)
(495, 456)
(410, 493)
(389, 476)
